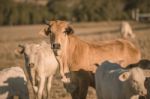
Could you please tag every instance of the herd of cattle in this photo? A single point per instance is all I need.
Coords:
(114, 68)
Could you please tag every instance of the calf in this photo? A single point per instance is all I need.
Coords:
(13, 83)
(42, 65)
(114, 82)
(126, 30)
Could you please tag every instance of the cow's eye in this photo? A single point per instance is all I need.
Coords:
(65, 31)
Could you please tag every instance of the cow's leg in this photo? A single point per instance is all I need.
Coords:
(66, 69)
(83, 90)
(61, 64)
(10, 97)
(75, 94)
(41, 87)
(80, 92)
(33, 80)
(49, 83)
(64, 78)
(125, 34)
(98, 92)
(81, 80)
(61, 67)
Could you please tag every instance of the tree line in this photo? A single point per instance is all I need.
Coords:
(12, 13)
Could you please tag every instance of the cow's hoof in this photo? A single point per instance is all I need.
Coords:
(65, 80)
(35, 89)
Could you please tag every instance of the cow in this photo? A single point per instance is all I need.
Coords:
(126, 30)
(13, 83)
(42, 66)
(78, 59)
(114, 82)
(145, 65)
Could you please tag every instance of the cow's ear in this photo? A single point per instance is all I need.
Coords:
(124, 76)
(19, 50)
(69, 30)
(44, 31)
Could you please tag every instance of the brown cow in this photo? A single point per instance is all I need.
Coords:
(80, 57)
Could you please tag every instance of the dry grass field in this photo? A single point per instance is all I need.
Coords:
(11, 36)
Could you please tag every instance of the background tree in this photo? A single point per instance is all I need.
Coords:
(14, 13)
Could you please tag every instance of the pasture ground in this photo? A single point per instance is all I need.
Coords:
(11, 36)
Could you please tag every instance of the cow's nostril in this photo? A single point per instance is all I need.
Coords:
(31, 65)
(56, 46)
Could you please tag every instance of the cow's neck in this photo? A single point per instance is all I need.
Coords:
(73, 44)
(80, 54)
(70, 46)
(76, 48)
(64, 53)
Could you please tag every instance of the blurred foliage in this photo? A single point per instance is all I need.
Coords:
(12, 13)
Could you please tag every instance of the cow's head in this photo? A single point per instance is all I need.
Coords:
(59, 32)
(29, 51)
(134, 81)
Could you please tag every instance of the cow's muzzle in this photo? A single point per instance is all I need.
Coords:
(31, 65)
(143, 93)
(56, 46)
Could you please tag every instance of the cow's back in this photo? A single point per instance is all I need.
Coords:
(12, 72)
(86, 55)
(119, 51)
(13, 83)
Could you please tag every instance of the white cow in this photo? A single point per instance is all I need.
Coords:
(145, 65)
(42, 66)
(114, 82)
(13, 83)
(126, 30)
